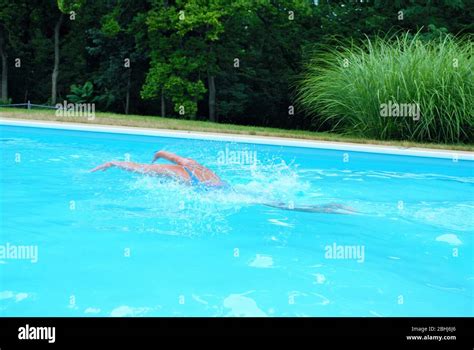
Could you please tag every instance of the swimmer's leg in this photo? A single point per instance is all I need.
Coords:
(339, 206)
(332, 208)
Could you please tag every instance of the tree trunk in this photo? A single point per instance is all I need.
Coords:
(163, 105)
(55, 74)
(212, 97)
(127, 96)
(4, 96)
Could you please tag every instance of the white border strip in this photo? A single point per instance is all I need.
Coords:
(265, 140)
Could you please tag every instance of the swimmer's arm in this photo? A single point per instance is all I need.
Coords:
(171, 157)
(129, 166)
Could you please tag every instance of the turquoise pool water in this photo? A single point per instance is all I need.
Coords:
(122, 244)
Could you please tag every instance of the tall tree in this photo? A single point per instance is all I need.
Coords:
(10, 15)
(54, 76)
(69, 7)
(182, 52)
(204, 20)
(3, 54)
(121, 52)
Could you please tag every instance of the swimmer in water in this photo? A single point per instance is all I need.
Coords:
(193, 173)
(185, 169)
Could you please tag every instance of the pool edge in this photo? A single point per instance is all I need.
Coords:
(267, 140)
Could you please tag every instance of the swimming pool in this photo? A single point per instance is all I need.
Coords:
(122, 244)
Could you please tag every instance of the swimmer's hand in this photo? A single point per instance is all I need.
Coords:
(103, 167)
(157, 156)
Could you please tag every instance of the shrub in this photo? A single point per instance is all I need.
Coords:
(349, 88)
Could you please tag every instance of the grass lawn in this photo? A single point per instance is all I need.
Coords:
(204, 126)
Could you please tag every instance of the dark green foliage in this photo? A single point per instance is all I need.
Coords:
(174, 59)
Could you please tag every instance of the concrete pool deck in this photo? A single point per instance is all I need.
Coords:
(264, 140)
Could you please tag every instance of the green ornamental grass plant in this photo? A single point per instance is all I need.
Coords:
(353, 87)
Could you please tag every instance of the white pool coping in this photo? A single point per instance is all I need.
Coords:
(263, 140)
